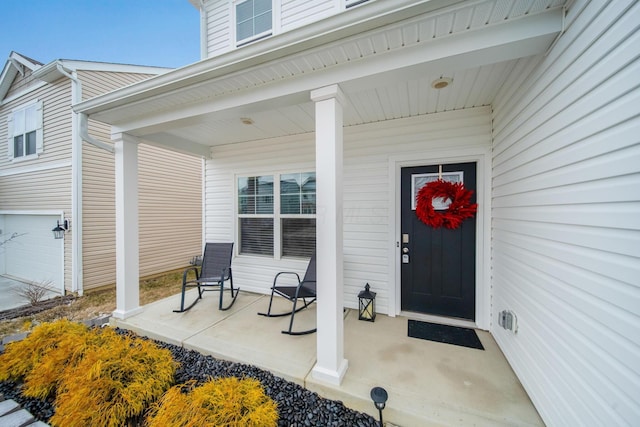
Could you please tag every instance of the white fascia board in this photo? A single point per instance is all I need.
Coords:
(32, 212)
(464, 50)
(112, 67)
(9, 73)
(27, 62)
(336, 27)
(50, 72)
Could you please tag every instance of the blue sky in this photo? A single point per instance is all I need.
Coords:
(142, 32)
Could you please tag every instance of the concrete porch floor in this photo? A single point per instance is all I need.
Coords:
(429, 383)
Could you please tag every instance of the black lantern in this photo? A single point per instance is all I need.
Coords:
(379, 397)
(58, 230)
(367, 305)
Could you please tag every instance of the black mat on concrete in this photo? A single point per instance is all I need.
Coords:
(446, 334)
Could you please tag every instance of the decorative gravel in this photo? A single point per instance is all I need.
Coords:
(297, 406)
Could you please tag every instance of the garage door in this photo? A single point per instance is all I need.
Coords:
(34, 255)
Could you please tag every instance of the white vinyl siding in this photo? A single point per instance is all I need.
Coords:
(367, 201)
(566, 223)
(287, 15)
(219, 27)
(296, 13)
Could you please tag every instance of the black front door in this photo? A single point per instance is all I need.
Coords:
(438, 267)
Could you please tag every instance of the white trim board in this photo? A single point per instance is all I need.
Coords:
(35, 168)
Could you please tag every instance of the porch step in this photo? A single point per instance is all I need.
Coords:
(13, 415)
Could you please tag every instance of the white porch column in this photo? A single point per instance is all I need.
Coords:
(127, 261)
(331, 364)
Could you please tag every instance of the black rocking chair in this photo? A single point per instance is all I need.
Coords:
(306, 289)
(214, 272)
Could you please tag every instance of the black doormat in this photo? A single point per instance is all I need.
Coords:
(446, 334)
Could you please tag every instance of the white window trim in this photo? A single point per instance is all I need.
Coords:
(276, 216)
(39, 132)
(275, 18)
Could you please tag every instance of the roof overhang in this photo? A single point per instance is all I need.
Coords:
(179, 110)
(56, 69)
(16, 64)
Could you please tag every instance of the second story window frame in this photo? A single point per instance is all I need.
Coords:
(254, 14)
(25, 136)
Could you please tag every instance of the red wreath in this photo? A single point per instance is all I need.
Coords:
(459, 209)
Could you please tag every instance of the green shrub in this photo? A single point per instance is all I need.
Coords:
(224, 402)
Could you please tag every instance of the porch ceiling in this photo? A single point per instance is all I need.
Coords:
(385, 72)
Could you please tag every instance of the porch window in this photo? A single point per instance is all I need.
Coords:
(25, 131)
(276, 214)
(255, 212)
(297, 213)
(253, 20)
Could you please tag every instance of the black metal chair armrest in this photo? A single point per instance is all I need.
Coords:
(275, 279)
(185, 274)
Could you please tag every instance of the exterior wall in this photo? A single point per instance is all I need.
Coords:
(42, 184)
(288, 14)
(368, 204)
(170, 195)
(566, 228)
(22, 83)
(170, 209)
(296, 13)
(98, 202)
(219, 35)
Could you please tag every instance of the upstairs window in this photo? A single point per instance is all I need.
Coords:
(253, 20)
(25, 131)
(277, 214)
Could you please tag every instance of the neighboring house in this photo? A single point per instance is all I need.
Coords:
(49, 175)
(536, 102)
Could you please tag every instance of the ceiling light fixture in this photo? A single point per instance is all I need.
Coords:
(441, 83)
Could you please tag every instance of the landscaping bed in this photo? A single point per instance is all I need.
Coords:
(296, 406)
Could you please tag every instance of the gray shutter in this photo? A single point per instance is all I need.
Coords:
(39, 133)
(10, 136)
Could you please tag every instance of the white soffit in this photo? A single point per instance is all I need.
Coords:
(385, 73)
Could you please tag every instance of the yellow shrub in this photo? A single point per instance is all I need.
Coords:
(113, 382)
(46, 376)
(224, 402)
(22, 357)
